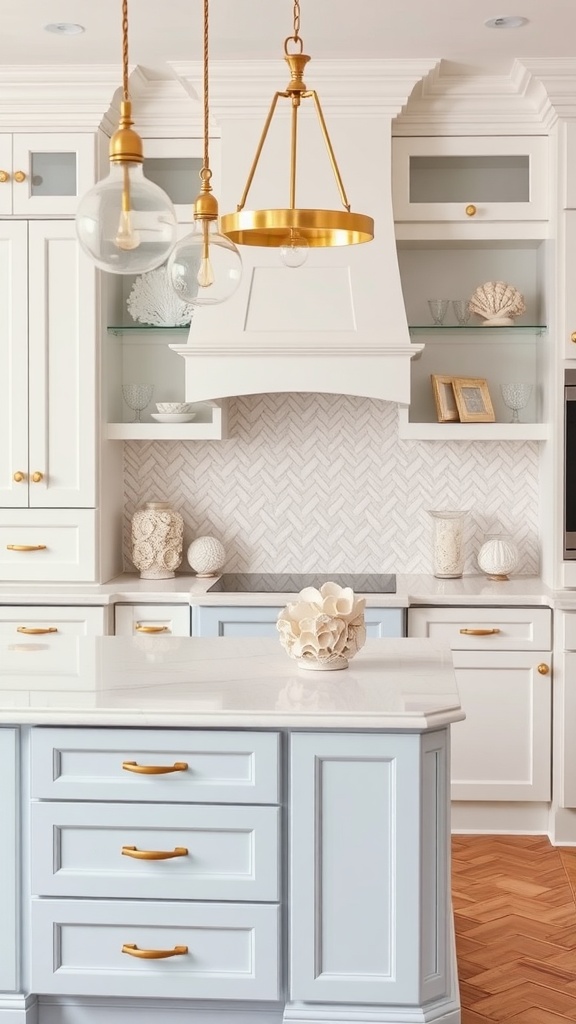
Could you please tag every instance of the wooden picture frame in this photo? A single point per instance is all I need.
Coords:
(473, 400)
(445, 399)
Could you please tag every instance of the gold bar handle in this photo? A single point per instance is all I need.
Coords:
(480, 632)
(36, 630)
(133, 851)
(25, 547)
(154, 769)
(153, 954)
(141, 628)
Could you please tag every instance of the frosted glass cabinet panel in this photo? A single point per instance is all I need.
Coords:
(45, 174)
(470, 179)
(174, 165)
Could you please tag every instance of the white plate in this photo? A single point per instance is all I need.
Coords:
(173, 417)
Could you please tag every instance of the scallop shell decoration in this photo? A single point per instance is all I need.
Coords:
(498, 303)
(153, 300)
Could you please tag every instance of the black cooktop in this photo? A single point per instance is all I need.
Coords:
(292, 583)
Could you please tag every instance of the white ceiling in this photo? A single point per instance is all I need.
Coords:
(162, 30)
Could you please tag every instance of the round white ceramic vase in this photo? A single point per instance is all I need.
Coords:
(206, 555)
(157, 533)
(498, 557)
(447, 543)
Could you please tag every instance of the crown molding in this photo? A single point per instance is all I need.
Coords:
(164, 108)
(347, 88)
(453, 100)
(558, 78)
(43, 98)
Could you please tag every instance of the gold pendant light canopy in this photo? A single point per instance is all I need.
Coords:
(291, 225)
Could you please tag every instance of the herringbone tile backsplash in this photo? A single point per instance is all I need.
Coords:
(310, 482)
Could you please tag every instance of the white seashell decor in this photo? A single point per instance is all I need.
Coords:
(153, 300)
(498, 303)
(206, 555)
(498, 557)
(324, 628)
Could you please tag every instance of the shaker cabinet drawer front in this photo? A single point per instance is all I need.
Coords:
(169, 950)
(503, 629)
(53, 545)
(44, 623)
(152, 620)
(168, 766)
(140, 852)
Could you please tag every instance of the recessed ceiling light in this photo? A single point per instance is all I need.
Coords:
(64, 28)
(507, 21)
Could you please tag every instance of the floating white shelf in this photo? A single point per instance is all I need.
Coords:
(411, 431)
(211, 424)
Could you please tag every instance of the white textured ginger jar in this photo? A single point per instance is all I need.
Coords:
(448, 543)
(206, 555)
(157, 535)
(324, 628)
(497, 557)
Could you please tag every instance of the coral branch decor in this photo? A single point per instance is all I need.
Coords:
(324, 628)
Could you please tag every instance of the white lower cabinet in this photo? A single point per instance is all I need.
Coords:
(10, 858)
(48, 641)
(152, 620)
(240, 620)
(503, 663)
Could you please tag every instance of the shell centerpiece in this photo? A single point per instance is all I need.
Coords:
(498, 303)
(153, 300)
(324, 628)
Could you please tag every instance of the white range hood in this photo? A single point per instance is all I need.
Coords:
(337, 324)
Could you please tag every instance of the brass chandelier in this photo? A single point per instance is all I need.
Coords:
(293, 228)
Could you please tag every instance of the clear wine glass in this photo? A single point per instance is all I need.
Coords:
(438, 309)
(137, 397)
(516, 397)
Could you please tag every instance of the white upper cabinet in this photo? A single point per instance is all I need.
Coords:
(45, 174)
(47, 347)
(174, 165)
(467, 180)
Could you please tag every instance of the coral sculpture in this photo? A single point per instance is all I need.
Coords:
(324, 628)
(498, 303)
(153, 300)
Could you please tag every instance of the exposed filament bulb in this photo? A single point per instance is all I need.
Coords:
(205, 276)
(126, 237)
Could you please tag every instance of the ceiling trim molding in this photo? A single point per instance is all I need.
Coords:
(347, 88)
(48, 97)
(558, 78)
(452, 100)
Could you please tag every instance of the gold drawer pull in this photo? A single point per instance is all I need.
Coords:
(25, 547)
(37, 477)
(480, 632)
(141, 628)
(19, 176)
(4, 176)
(133, 851)
(153, 954)
(36, 630)
(18, 477)
(471, 210)
(573, 336)
(154, 769)
(543, 668)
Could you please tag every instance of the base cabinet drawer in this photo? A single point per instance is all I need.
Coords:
(52, 545)
(484, 629)
(238, 621)
(130, 851)
(152, 621)
(187, 950)
(160, 765)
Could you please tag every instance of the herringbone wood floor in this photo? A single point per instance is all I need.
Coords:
(514, 903)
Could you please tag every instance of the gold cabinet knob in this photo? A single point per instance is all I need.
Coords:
(543, 668)
(573, 337)
(470, 210)
(18, 477)
(4, 176)
(154, 769)
(19, 176)
(153, 954)
(37, 477)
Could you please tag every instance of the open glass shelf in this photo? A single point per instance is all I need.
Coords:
(119, 329)
(465, 328)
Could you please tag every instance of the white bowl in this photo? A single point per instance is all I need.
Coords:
(173, 407)
(173, 417)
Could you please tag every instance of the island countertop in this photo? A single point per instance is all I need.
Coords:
(400, 684)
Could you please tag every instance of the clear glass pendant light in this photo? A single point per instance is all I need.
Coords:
(205, 267)
(126, 224)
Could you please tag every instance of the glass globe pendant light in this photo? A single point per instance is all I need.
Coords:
(126, 224)
(205, 267)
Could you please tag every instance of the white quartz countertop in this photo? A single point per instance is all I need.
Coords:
(227, 683)
(184, 589)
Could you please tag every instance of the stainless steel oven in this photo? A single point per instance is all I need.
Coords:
(570, 464)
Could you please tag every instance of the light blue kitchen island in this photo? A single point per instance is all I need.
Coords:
(199, 831)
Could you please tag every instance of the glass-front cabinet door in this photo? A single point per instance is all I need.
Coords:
(174, 165)
(470, 179)
(47, 174)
